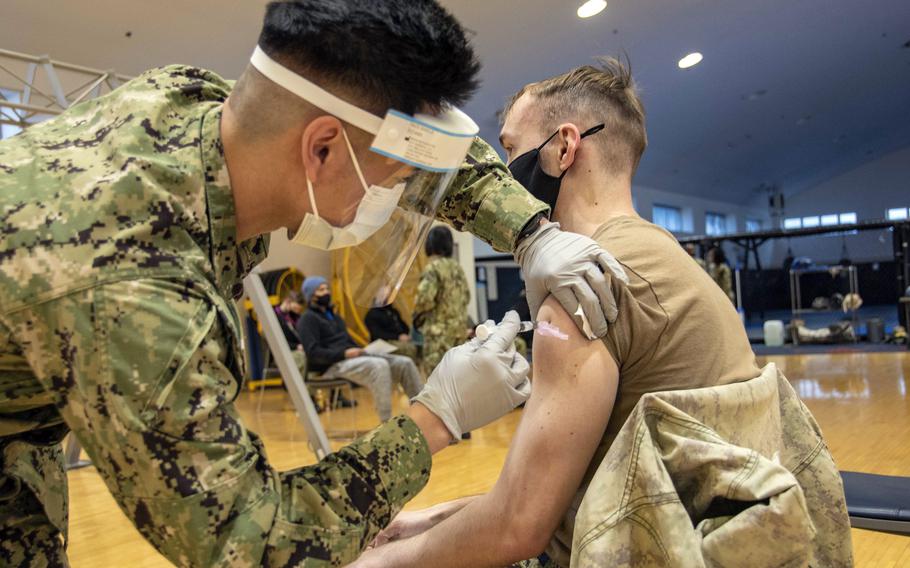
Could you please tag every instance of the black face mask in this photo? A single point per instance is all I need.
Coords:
(324, 301)
(527, 171)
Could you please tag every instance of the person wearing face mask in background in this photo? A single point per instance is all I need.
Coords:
(331, 351)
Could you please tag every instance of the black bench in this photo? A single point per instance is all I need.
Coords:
(878, 502)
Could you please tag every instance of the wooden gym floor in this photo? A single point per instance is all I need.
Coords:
(860, 400)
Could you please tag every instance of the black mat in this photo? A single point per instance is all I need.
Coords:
(878, 502)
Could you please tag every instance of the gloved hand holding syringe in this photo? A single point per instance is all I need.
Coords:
(484, 330)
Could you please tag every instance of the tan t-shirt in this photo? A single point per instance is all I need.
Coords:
(676, 330)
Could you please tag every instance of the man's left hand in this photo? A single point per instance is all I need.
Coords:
(576, 271)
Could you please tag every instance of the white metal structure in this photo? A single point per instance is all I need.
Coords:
(35, 88)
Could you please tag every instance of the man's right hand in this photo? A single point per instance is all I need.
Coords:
(478, 382)
(352, 352)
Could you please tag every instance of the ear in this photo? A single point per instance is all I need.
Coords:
(321, 144)
(568, 138)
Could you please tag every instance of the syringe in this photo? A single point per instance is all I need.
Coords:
(483, 331)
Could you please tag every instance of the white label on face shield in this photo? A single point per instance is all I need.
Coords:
(413, 142)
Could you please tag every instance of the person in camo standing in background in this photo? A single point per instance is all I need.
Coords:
(441, 307)
(720, 271)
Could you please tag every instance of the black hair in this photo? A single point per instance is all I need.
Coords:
(439, 242)
(401, 54)
(719, 256)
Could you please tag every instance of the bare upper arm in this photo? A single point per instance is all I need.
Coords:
(571, 400)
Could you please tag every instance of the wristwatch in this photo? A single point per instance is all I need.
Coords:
(531, 227)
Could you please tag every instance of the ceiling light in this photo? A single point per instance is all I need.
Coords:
(690, 60)
(591, 8)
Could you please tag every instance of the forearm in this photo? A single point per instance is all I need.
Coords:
(443, 511)
(400, 474)
(433, 429)
(480, 534)
(485, 200)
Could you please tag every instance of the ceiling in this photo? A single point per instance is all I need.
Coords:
(790, 92)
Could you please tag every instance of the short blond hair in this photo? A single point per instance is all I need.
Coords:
(595, 93)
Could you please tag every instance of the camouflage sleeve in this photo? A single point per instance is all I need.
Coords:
(484, 199)
(426, 290)
(145, 373)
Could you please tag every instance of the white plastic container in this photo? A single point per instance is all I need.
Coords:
(774, 333)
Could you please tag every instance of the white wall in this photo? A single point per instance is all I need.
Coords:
(695, 208)
(282, 254)
(464, 244)
(869, 190)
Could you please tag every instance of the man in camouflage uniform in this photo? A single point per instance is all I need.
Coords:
(441, 307)
(127, 226)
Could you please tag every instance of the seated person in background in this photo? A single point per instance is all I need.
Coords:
(676, 330)
(288, 312)
(331, 351)
(441, 307)
(384, 322)
(720, 271)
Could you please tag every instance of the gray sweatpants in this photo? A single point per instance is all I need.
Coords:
(378, 373)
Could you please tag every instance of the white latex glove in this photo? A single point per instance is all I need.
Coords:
(479, 381)
(576, 271)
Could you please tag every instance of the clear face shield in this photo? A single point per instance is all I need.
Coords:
(395, 214)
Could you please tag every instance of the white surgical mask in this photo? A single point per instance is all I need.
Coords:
(373, 211)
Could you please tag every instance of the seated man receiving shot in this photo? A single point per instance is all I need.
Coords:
(575, 141)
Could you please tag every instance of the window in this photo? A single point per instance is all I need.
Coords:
(793, 223)
(846, 218)
(715, 223)
(897, 214)
(7, 130)
(753, 225)
(812, 221)
(668, 217)
(830, 219)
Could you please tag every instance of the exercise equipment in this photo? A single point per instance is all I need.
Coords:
(878, 502)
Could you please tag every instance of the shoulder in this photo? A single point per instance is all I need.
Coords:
(553, 356)
(552, 312)
(451, 266)
(432, 267)
(308, 317)
(192, 83)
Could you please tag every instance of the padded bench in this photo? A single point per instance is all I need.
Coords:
(878, 502)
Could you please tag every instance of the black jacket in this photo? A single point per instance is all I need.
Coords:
(385, 323)
(324, 338)
(290, 334)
